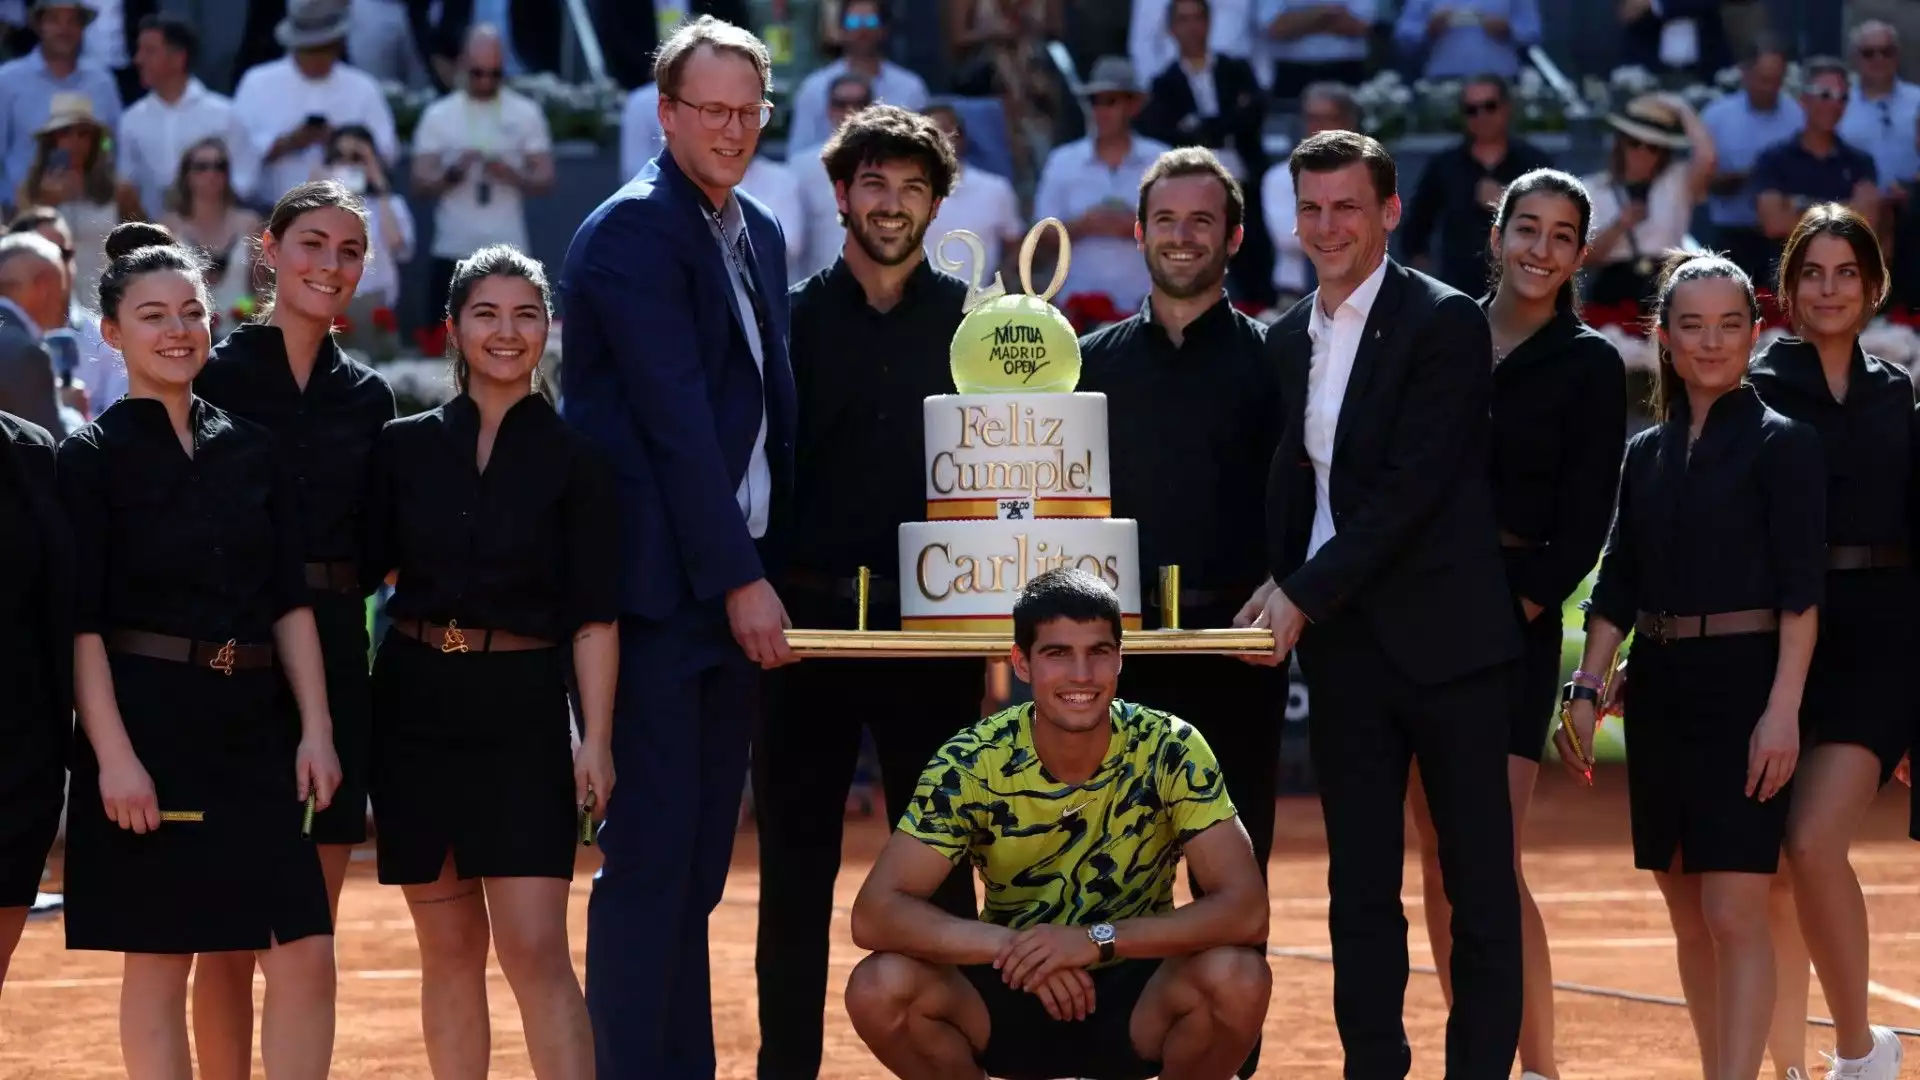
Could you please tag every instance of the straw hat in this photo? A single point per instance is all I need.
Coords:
(1651, 120)
(70, 109)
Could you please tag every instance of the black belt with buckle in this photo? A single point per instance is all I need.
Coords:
(221, 656)
(1667, 628)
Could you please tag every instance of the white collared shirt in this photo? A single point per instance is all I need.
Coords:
(1073, 181)
(154, 135)
(756, 488)
(1336, 340)
(508, 127)
(273, 98)
(984, 204)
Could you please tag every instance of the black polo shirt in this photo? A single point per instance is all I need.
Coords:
(862, 376)
(1792, 170)
(1192, 430)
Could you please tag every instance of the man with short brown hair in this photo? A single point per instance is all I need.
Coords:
(676, 341)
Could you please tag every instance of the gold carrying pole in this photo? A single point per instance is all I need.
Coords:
(1170, 598)
(863, 578)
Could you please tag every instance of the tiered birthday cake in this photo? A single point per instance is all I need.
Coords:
(1018, 479)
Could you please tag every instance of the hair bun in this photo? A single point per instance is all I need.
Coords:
(127, 238)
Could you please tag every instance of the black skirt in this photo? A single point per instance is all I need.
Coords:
(241, 879)
(1858, 687)
(1533, 694)
(342, 621)
(1690, 709)
(32, 791)
(472, 755)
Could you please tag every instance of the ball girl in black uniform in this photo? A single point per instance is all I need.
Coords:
(1716, 563)
(287, 374)
(1559, 427)
(185, 812)
(499, 521)
(1854, 715)
(36, 667)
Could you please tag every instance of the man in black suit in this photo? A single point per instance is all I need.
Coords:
(1386, 571)
(1209, 99)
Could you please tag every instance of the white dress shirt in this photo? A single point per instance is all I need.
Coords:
(1289, 258)
(984, 204)
(756, 488)
(773, 184)
(825, 237)
(1073, 181)
(1336, 341)
(154, 134)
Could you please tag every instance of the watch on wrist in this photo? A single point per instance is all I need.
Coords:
(1101, 934)
(1573, 692)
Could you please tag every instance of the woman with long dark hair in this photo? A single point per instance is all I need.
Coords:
(1717, 563)
(36, 619)
(285, 372)
(1855, 713)
(184, 818)
(499, 520)
(1559, 426)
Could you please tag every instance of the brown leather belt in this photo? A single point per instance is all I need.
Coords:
(1665, 628)
(879, 589)
(454, 638)
(1865, 556)
(341, 577)
(225, 657)
(1511, 540)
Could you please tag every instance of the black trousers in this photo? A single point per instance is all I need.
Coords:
(1239, 709)
(1369, 721)
(803, 763)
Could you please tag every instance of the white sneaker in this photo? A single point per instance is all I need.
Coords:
(1881, 1063)
(1531, 1076)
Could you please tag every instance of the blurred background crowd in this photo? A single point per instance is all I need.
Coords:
(470, 122)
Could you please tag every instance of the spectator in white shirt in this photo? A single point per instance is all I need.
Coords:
(825, 234)
(981, 202)
(1093, 185)
(177, 112)
(1883, 111)
(640, 130)
(353, 160)
(864, 34)
(1326, 106)
(292, 105)
(1314, 41)
(479, 149)
(203, 209)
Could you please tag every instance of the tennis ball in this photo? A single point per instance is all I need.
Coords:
(1015, 343)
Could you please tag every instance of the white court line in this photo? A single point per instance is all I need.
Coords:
(1602, 896)
(1896, 996)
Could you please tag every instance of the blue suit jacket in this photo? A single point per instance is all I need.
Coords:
(659, 373)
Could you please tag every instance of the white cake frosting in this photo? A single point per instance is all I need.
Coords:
(1017, 484)
(1017, 455)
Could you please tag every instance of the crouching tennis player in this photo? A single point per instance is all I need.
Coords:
(1076, 810)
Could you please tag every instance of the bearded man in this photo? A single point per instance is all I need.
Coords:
(1193, 406)
(869, 343)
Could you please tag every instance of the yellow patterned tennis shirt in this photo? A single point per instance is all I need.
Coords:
(1080, 854)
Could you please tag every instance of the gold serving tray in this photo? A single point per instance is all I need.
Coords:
(927, 643)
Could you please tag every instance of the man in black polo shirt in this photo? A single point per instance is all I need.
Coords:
(1194, 411)
(869, 343)
(1815, 166)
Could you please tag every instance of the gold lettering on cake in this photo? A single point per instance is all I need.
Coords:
(1029, 560)
(1032, 476)
(1018, 427)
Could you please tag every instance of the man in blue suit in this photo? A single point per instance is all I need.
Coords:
(676, 343)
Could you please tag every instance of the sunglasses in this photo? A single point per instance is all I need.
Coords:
(1825, 93)
(1878, 52)
(860, 22)
(1107, 101)
(485, 73)
(1484, 107)
(206, 166)
(851, 103)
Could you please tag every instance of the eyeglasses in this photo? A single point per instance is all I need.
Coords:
(1879, 52)
(485, 73)
(861, 22)
(1484, 107)
(714, 116)
(851, 103)
(206, 166)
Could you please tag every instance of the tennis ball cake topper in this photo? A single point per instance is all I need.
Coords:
(1012, 342)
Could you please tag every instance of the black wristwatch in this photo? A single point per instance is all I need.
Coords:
(1101, 934)
(1573, 692)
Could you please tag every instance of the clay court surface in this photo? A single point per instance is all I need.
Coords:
(57, 1014)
